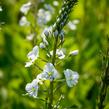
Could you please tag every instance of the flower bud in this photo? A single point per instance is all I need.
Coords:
(46, 33)
(56, 33)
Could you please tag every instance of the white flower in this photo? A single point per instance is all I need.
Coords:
(32, 55)
(59, 54)
(1, 9)
(49, 72)
(23, 21)
(74, 52)
(28, 64)
(32, 88)
(25, 8)
(71, 77)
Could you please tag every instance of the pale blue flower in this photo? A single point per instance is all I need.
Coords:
(49, 72)
(32, 55)
(71, 77)
(43, 16)
(25, 8)
(32, 88)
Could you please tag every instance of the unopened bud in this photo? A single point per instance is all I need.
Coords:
(75, 52)
(56, 33)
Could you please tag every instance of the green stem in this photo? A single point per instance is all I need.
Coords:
(51, 82)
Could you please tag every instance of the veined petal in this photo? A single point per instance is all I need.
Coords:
(32, 88)
(50, 72)
(71, 77)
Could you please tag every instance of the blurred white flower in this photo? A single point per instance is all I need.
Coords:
(32, 55)
(76, 21)
(43, 16)
(50, 72)
(49, 8)
(25, 8)
(30, 36)
(23, 21)
(71, 77)
(1, 8)
(32, 88)
(72, 26)
(74, 52)
(55, 3)
(59, 53)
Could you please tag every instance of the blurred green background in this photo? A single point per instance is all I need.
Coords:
(89, 37)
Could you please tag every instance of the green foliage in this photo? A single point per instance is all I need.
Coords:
(89, 38)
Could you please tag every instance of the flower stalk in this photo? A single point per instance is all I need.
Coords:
(57, 28)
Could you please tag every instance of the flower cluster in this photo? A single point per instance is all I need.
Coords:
(49, 71)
